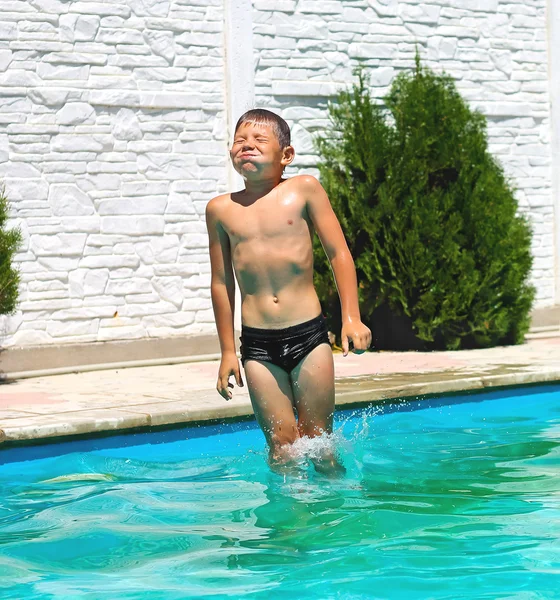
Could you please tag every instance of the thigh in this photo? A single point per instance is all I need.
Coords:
(313, 389)
(270, 389)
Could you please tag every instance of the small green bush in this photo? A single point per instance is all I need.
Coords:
(428, 214)
(10, 240)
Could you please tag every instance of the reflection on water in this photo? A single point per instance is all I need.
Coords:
(435, 502)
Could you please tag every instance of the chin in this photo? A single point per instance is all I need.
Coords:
(248, 170)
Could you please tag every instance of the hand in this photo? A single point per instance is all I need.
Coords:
(228, 366)
(358, 333)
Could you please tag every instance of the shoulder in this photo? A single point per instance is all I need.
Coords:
(306, 182)
(217, 205)
(311, 191)
(307, 186)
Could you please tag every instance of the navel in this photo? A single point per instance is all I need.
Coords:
(275, 299)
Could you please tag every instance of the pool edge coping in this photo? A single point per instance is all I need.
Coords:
(368, 389)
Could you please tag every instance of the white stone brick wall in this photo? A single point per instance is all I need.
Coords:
(112, 140)
(113, 121)
(496, 50)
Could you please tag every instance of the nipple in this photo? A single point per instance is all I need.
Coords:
(275, 299)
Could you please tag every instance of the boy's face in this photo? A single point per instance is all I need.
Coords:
(256, 153)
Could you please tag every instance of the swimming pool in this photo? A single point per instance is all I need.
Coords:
(454, 497)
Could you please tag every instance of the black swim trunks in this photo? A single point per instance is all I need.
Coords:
(286, 347)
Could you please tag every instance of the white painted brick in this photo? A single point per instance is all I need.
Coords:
(88, 282)
(62, 244)
(75, 27)
(198, 39)
(108, 167)
(6, 57)
(170, 289)
(8, 31)
(137, 206)
(138, 310)
(119, 321)
(142, 298)
(32, 337)
(75, 113)
(75, 143)
(170, 25)
(72, 329)
(280, 5)
(126, 126)
(109, 262)
(159, 250)
(119, 70)
(162, 44)
(145, 188)
(98, 8)
(134, 285)
(69, 200)
(420, 13)
(48, 71)
(140, 225)
(161, 325)
(45, 286)
(167, 74)
(489, 6)
(151, 8)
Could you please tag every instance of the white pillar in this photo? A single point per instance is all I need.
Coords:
(553, 20)
(240, 84)
(240, 71)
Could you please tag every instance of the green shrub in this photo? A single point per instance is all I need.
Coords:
(10, 240)
(428, 214)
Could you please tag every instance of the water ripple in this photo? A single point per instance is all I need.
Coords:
(434, 502)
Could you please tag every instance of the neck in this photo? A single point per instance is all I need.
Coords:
(263, 186)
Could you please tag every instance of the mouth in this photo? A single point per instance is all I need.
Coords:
(247, 155)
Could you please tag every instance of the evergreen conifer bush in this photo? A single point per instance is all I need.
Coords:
(10, 240)
(428, 214)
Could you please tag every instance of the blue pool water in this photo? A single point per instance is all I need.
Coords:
(454, 498)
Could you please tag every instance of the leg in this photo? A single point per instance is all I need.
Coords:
(272, 399)
(313, 389)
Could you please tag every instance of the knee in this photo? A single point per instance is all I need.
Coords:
(278, 439)
(312, 431)
(282, 438)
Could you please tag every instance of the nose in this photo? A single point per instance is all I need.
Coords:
(246, 146)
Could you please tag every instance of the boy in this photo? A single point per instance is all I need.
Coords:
(264, 234)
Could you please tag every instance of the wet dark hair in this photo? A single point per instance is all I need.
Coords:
(262, 116)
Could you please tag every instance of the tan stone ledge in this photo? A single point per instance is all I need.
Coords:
(354, 391)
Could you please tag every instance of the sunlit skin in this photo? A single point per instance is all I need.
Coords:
(263, 234)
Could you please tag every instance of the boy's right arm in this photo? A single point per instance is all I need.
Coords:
(222, 288)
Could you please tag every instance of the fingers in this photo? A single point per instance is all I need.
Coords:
(224, 386)
(360, 342)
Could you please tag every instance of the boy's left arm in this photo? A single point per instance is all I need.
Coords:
(332, 238)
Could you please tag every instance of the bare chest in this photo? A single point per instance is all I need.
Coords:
(266, 221)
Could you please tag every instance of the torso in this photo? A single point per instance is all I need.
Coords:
(271, 241)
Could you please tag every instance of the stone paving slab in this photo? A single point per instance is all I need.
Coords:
(111, 400)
